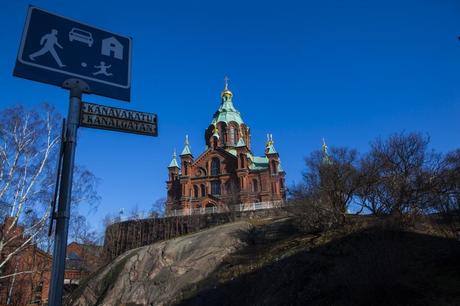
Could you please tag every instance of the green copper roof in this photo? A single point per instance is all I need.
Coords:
(270, 145)
(258, 162)
(232, 151)
(186, 150)
(241, 143)
(173, 163)
(271, 149)
(227, 112)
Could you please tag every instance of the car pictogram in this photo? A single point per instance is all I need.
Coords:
(81, 36)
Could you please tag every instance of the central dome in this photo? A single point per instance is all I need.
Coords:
(227, 112)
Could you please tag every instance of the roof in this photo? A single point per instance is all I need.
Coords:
(231, 151)
(271, 149)
(173, 163)
(186, 150)
(258, 162)
(227, 112)
(241, 143)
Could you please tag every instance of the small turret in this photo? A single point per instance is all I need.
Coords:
(241, 142)
(173, 168)
(272, 155)
(215, 138)
(173, 163)
(326, 158)
(186, 157)
(242, 150)
(186, 150)
(269, 146)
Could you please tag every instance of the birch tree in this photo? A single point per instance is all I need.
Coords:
(29, 145)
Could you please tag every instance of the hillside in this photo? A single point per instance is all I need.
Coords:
(367, 261)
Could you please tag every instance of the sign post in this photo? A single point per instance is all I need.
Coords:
(62, 216)
(84, 59)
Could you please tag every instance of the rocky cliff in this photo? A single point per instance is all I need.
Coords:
(281, 261)
(163, 272)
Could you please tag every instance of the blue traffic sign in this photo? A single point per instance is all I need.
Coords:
(54, 49)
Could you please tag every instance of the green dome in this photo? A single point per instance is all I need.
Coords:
(227, 112)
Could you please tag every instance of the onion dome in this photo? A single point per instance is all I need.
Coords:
(227, 112)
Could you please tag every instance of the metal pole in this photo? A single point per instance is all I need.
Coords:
(65, 191)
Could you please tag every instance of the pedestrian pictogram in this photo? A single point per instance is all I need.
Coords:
(49, 42)
(54, 49)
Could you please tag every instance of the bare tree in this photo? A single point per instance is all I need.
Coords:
(333, 181)
(29, 142)
(447, 192)
(136, 213)
(81, 231)
(158, 208)
(399, 174)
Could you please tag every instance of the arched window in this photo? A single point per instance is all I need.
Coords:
(195, 191)
(215, 187)
(255, 186)
(215, 166)
(242, 160)
(222, 132)
(203, 190)
(232, 136)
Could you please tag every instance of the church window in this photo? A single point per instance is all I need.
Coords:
(232, 136)
(203, 190)
(215, 166)
(195, 191)
(255, 186)
(215, 187)
(242, 160)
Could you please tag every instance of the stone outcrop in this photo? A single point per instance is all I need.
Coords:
(162, 273)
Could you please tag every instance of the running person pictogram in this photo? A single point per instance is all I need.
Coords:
(103, 69)
(49, 41)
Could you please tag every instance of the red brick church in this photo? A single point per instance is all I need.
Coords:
(227, 172)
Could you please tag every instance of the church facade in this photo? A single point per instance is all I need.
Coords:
(227, 172)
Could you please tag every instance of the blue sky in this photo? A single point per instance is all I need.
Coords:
(348, 71)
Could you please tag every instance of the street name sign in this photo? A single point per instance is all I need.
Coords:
(54, 49)
(117, 119)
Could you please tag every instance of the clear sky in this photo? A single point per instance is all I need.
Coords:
(348, 71)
